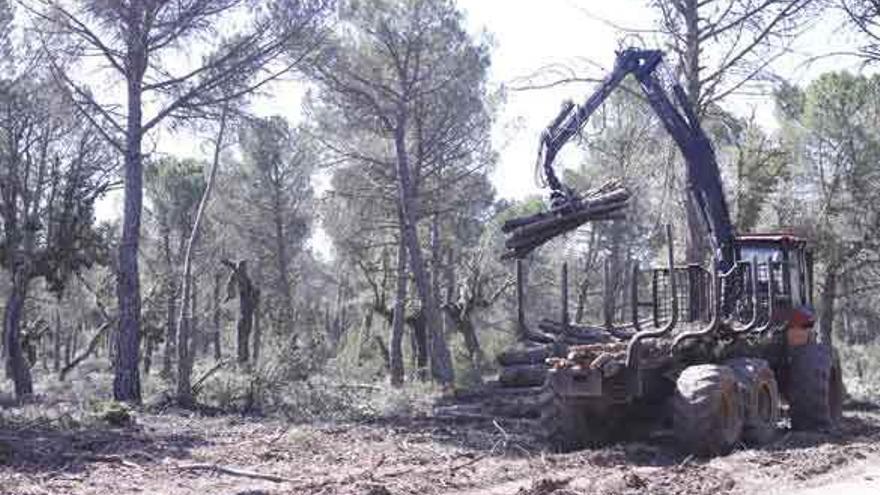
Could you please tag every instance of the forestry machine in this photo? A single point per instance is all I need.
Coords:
(706, 351)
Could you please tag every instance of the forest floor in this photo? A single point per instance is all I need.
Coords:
(177, 452)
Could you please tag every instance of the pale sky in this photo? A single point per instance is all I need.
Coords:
(556, 36)
(531, 35)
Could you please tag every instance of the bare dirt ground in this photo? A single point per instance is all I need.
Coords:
(182, 453)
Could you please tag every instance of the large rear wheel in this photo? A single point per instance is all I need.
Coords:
(707, 410)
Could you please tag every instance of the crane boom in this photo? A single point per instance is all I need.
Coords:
(703, 175)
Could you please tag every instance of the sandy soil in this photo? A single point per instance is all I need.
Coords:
(181, 453)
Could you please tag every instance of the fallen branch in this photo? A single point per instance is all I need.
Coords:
(113, 459)
(93, 344)
(197, 387)
(235, 472)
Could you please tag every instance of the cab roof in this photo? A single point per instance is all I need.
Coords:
(771, 238)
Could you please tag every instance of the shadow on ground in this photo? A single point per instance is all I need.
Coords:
(48, 448)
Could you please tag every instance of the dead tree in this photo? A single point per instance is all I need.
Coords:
(248, 298)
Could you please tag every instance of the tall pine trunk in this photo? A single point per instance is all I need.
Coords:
(127, 382)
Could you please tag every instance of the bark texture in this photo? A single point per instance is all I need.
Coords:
(18, 368)
(396, 352)
(127, 380)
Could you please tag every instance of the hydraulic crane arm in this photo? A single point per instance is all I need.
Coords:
(703, 175)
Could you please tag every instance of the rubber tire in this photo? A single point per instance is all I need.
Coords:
(707, 410)
(760, 394)
(815, 388)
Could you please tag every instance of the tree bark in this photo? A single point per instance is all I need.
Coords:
(827, 302)
(195, 331)
(258, 327)
(218, 355)
(246, 305)
(282, 255)
(441, 360)
(148, 355)
(185, 344)
(18, 367)
(126, 382)
(56, 352)
(395, 361)
(171, 295)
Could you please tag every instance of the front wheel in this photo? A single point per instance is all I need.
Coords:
(815, 388)
(760, 398)
(707, 410)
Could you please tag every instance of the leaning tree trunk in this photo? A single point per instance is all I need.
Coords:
(185, 345)
(18, 367)
(395, 361)
(441, 360)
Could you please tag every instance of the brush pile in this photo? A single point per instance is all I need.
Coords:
(525, 234)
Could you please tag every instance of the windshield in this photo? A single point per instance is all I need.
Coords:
(762, 253)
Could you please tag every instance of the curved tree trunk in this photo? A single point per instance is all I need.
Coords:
(185, 344)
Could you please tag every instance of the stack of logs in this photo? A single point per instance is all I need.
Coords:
(525, 367)
(609, 358)
(528, 233)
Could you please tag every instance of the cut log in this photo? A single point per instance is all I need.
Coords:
(523, 375)
(533, 355)
(524, 234)
(528, 233)
(593, 199)
(577, 333)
